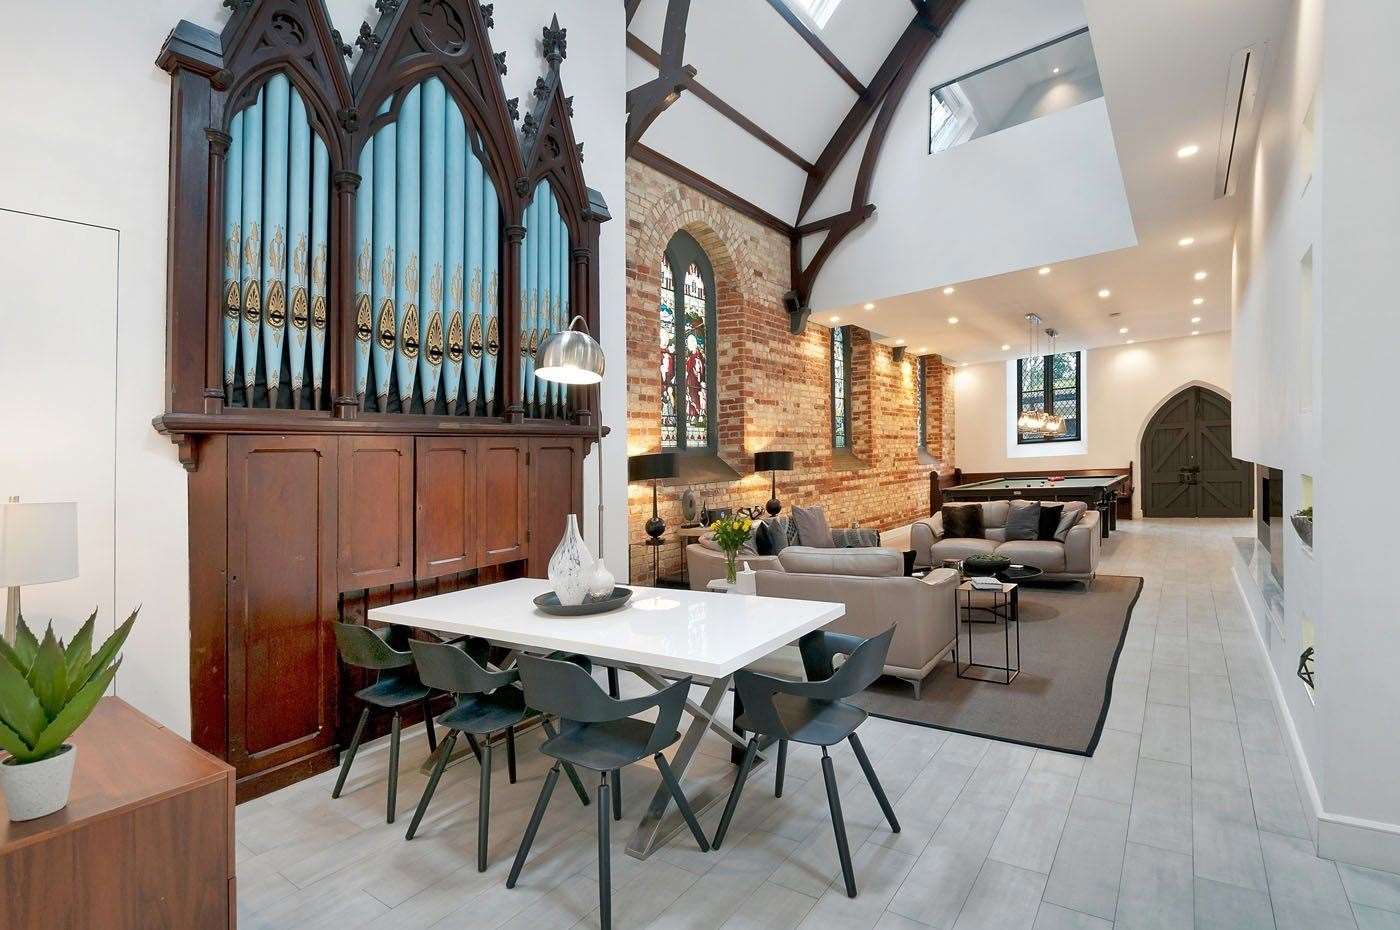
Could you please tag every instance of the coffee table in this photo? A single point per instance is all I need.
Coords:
(1019, 573)
(1004, 608)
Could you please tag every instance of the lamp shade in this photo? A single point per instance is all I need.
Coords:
(772, 461)
(570, 357)
(652, 466)
(38, 543)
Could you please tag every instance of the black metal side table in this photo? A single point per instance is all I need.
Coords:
(651, 551)
(1004, 608)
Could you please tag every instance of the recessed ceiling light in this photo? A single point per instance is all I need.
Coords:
(1185, 241)
(1045, 270)
(1105, 292)
(1005, 347)
(1186, 151)
(953, 320)
(1195, 332)
(923, 349)
(1201, 275)
(949, 290)
(1197, 301)
(1054, 70)
(1195, 319)
(899, 342)
(836, 319)
(1122, 330)
(870, 306)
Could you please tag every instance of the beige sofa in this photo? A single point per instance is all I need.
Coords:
(871, 584)
(1075, 559)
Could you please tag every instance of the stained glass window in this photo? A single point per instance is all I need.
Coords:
(1050, 383)
(687, 347)
(923, 402)
(840, 388)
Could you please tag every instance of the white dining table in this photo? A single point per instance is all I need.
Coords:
(661, 633)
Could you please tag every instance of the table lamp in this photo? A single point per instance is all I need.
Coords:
(653, 467)
(38, 544)
(573, 356)
(773, 462)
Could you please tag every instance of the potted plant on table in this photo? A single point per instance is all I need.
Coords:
(730, 534)
(47, 689)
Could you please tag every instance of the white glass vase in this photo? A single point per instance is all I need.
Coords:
(571, 566)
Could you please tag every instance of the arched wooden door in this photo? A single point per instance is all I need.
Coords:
(1187, 467)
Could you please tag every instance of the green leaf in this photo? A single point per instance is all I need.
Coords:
(76, 711)
(80, 649)
(26, 645)
(10, 742)
(8, 654)
(49, 676)
(19, 708)
(104, 655)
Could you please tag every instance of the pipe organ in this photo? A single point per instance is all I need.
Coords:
(362, 262)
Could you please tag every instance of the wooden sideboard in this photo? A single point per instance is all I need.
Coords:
(146, 840)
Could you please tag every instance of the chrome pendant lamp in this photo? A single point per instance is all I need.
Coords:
(1031, 421)
(1054, 426)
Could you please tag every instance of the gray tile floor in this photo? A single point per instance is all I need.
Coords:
(1186, 815)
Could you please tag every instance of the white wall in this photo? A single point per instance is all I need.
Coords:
(86, 116)
(1125, 385)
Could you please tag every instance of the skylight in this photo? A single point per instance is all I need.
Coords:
(818, 11)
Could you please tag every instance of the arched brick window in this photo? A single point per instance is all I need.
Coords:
(687, 359)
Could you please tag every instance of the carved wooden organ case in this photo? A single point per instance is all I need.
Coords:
(361, 265)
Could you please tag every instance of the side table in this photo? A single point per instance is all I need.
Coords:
(1004, 607)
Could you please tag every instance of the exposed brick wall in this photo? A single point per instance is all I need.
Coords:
(774, 388)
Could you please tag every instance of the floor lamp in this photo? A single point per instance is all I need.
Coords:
(573, 356)
(38, 544)
(773, 462)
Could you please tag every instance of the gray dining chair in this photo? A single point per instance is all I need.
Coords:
(488, 702)
(396, 687)
(602, 734)
(813, 712)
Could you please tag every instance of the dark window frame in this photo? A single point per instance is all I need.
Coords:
(1047, 398)
(841, 335)
(682, 252)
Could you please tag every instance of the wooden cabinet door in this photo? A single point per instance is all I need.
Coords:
(556, 490)
(376, 511)
(503, 504)
(446, 528)
(281, 599)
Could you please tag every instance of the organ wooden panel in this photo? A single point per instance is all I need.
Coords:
(503, 501)
(556, 490)
(446, 506)
(281, 601)
(376, 511)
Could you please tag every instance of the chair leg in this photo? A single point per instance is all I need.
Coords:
(510, 753)
(534, 825)
(617, 794)
(838, 823)
(350, 753)
(442, 761)
(475, 747)
(428, 724)
(682, 802)
(569, 769)
(394, 764)
(604, 855)
(734, 793)
(875, 786)
(483, 808)
(781, 768)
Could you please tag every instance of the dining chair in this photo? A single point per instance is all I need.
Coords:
(813, 712)
(600, 733)
(396, 687)
(488, 702)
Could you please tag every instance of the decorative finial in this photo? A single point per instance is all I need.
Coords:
(500, 63)
(555, 43)
(513, 105)
(367, 39)
(530, 126)
(579, 149)
(339, 42)
(569, 105)
(385, 7)
(488, 13)
(541, 88)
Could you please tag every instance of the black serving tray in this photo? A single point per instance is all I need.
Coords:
(549, 603)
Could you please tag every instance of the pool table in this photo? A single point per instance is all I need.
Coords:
(1097, 492)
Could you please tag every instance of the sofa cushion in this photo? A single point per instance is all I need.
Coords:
(779, 532)
(866, 562)
(1046, 556)
(812, 528)
(949, 548)
(1049, 520)
(1071, 515)
(1023, 520)
(994, 513)
(962, 521)
(856, 537)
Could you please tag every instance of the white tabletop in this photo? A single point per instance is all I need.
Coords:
(687, 632)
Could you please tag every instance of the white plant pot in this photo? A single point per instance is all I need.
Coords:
(37, 789)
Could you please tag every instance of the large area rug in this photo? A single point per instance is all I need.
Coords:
(1070, 640)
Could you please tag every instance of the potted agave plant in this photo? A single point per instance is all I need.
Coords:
(47, 689)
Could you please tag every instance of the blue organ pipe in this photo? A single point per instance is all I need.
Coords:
(274, 328)
(556, 248)
(385, 336)
(320, 263)
(542, 293)
(233, 252)
(431, 287)
(365, 275)
(298, 273)
(491, 208)
(409, 266)
(529, 298)
(476, 277)
(252, 240)
(454, 252)
(563, 315)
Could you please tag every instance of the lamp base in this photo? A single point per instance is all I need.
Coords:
(774, 507)
(655, 527)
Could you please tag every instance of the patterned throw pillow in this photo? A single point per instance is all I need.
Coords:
(779, 533)
(856, 538)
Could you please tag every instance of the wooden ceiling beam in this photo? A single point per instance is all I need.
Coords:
(652, 57)
(678, 172)
(648, 101)
(818, 46)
